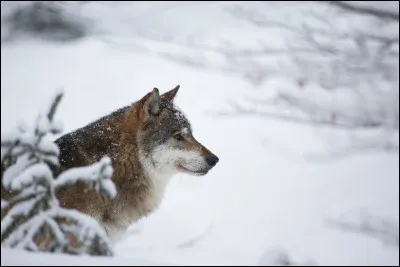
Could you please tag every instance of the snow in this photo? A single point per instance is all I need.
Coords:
(29, 175)
(23, 258)
(84, 227)
(22, 209)
(99, 173)
(277, 183)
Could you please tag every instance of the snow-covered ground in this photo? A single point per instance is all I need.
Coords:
(276, 186)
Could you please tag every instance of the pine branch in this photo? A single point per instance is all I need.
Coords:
(32, 218)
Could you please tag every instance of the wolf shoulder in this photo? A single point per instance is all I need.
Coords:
(86, 145)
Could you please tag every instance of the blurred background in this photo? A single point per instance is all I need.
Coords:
(298, 99)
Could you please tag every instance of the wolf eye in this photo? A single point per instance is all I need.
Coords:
(178, 137)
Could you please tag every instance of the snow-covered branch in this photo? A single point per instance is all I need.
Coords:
(32, 217)
(96, 176)
(35, 145)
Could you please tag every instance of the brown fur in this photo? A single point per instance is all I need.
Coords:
(117, 135)
(114, 136)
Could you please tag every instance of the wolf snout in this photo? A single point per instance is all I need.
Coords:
(212, 160)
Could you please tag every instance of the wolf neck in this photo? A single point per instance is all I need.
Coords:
(158, 177)
(135, 165)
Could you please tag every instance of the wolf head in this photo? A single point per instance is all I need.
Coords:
(165, 139)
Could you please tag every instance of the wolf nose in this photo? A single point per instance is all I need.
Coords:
(212, 160)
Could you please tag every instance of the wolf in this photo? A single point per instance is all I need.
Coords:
(148, 142)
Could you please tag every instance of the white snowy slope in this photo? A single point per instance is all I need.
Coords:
(13, 257)
(275, 187)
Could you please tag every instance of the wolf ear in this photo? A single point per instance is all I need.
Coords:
(151, 105)
(169, 96)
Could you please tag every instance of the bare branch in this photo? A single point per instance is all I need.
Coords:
(382, 14)
(55, 104)
(307, 33)
(241, 111)
(386, 230)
